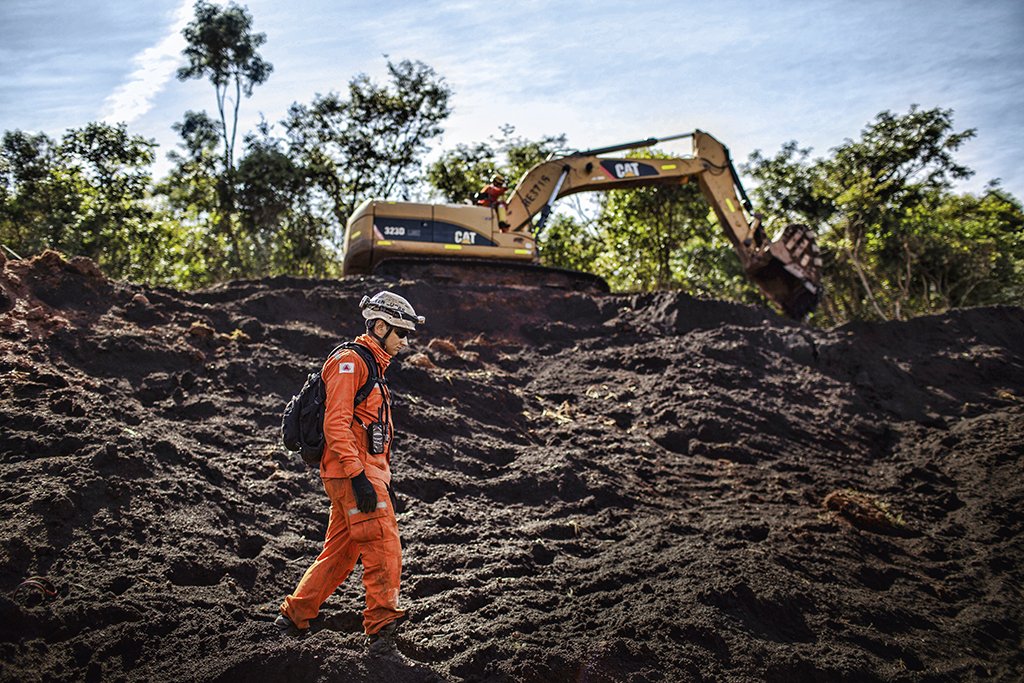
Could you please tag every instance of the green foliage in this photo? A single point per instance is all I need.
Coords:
(87, 194)
(567, 242)
(460, 173)
(278, 211)
(114, 226)
(896, 240)
(372, 143)
(666, 237)
(222, 47)
(191, 186)
(40, 198)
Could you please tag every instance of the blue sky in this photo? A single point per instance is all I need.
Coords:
(754, 74)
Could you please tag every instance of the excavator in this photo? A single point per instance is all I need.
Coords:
(465, 243)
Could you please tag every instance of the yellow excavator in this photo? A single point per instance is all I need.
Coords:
(465, 243)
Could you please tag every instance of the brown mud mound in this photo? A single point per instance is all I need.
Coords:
(593, 488)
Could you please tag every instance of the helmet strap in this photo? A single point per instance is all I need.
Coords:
(373, 333)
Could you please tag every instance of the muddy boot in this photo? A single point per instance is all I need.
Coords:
(382, 643)
(287, 627)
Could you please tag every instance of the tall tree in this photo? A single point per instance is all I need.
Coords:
(191, 191)
(372, 142)
(191, 185)
(222, 47)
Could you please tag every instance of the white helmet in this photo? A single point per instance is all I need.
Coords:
(392, 309)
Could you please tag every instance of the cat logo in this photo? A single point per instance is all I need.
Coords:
(465, 237)
(627, 169)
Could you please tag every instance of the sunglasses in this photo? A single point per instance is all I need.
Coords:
(401, 332)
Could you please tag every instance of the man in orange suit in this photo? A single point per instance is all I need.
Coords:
(491, 196)
(356, 471)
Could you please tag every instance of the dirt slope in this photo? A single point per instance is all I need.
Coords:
(611, 488)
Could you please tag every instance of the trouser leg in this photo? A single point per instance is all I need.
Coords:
(330, 568)
(382, 573)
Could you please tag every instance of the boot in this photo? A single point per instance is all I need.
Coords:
(382, 643)
(287, 627)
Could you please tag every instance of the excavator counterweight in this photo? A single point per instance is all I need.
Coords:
(465, 243)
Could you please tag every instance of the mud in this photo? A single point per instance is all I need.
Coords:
(592, 488)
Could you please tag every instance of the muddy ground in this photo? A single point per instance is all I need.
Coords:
(592, 488)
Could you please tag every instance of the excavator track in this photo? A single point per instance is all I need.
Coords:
(489, 272)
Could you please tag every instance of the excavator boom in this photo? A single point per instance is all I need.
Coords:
(788, 269)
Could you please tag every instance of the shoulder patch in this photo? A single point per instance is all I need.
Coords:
(346, 368)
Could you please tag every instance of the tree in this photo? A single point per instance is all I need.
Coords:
(372, 142)
(85, 195)
(40, 200)
(279, 211)
(666, 237)
(190, 192)
(570, 242)
(113, 226)
(961, 250)
(191, 186)
(459, 174)
(896, 240)
(222, 47)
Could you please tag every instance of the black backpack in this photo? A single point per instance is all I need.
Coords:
(302, 425)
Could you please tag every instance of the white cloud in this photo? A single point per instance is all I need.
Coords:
(154, 67)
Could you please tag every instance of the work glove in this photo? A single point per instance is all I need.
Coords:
(366, 497)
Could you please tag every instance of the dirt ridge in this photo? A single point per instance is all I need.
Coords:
(642, 487)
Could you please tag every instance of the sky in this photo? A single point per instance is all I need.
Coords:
(754, 74)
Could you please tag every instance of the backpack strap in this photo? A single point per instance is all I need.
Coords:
(374, 377)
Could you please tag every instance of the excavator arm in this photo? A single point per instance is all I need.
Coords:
(787, 269)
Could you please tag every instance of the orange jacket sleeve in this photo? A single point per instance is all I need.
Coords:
(343, 374)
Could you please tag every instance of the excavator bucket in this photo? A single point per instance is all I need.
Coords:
(788, 271)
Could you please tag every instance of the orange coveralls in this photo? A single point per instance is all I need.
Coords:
(350, 533)
(492, 197)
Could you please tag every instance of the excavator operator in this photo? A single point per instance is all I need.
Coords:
(356, 473)
(491, 195)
